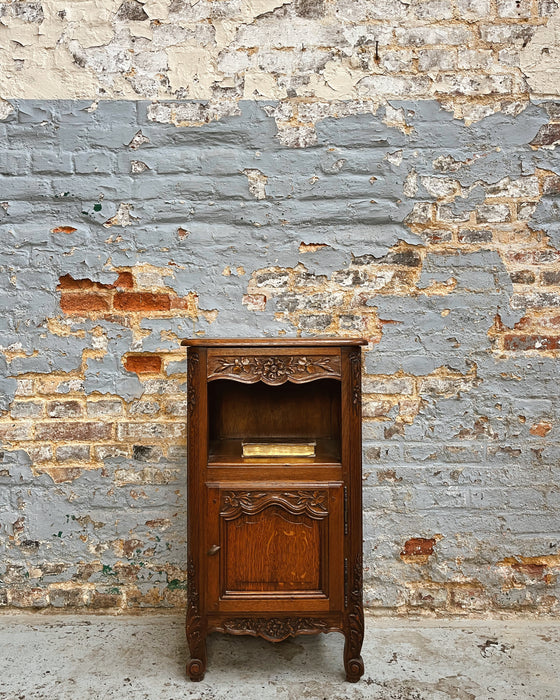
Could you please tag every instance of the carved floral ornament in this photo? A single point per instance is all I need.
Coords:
(274, 369)
(275, 629)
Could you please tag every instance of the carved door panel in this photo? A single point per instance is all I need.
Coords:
(278, 547)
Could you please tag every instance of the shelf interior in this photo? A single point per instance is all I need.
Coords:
(261, 413)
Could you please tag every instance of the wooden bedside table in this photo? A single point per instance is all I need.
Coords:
(274, 540)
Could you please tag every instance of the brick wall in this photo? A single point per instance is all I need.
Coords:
(387, 170)
(441, 259)
(477, 56)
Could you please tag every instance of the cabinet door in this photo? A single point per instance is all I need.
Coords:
(279, 547)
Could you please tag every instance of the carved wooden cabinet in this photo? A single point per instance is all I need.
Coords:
(275, 540)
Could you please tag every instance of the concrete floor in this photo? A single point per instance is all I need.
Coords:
(64, 657)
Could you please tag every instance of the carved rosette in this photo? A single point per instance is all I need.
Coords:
(312, 503)
(274, 629)
(273, 369)
(356, 379)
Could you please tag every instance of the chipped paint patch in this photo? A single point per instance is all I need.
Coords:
(539, 59)
(257, 182)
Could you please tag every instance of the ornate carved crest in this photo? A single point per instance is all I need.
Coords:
(274, 629)
(312, 503)
(273, 369)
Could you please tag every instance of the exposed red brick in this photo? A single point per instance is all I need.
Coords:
(79, 431)
(525, 323)
(143, 364)
(68, 282)
(547, 135)
(136, 599)
(534, 257)
(532, 566)
(254, 302)
(188, 303)
(435, 236)
(531, 342)
(545, 321)
(63, 229)
(141, 301)
(541, 429)
(84, 302)
(182, 233)
(125, 280)
(419, 546)
(533, 570)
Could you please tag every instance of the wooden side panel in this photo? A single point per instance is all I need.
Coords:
(197, 412)
(352, 461)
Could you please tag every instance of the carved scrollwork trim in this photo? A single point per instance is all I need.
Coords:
(356, 609)
(194, 620)
(192, 368)
(273, 369)
(312, 503)
(274, 629)
(356, 379)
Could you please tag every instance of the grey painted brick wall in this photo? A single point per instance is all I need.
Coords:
(438, 242)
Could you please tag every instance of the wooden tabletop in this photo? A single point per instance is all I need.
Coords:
(270, 342)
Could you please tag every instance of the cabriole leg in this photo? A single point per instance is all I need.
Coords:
(195, 627)
(196, 667)
(353, 663)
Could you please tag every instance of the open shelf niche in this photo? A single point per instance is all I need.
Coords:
(262, 413)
